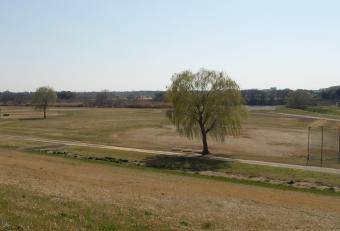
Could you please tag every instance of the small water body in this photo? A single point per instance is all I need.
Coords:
(262, 107)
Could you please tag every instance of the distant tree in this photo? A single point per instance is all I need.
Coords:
(7, 97)
(207, 102)
(103, 98)
(331, 93)
(132, 96)
(299, 99)
(282, 96)
(66, 95)
(270, 96)
(43, 97)
(159, 97)
(22, 98)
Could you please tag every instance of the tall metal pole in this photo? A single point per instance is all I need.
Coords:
(339, 145)
(321, 156)
(308, 150)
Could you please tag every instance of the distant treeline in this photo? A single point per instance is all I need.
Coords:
(134, 99)
(275, 96)
(156, 99)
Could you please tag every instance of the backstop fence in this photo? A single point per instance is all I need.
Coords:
(323, 146)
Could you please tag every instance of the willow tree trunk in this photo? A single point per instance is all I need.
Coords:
(205, 150)
(45, 108)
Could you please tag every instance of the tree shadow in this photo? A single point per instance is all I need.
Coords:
(185, 163)
(31, 119)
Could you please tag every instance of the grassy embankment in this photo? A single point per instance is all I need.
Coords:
(34, 196)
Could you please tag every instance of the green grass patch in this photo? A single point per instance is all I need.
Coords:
(101, 152)
(328, 110)
(285, 174)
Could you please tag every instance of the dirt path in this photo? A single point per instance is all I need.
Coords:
(173, 198)
(307, 116)
(263, 163)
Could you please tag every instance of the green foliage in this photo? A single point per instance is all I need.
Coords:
(43, 97)
(270, 96)
(103, 98)
(331, 93)
(207, 225)
(205, 102)
(299, 99)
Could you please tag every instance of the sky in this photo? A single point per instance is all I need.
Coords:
(91, 45)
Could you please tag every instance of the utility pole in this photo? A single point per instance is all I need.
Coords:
(308, 150)
(339, 144)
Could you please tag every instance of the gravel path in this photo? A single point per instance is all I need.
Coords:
(263, 163)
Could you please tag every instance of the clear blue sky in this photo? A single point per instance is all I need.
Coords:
(132, 45)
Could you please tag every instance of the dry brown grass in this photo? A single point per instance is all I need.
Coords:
(201, 203)
(265, 136)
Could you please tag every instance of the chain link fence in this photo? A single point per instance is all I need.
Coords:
(323, 147)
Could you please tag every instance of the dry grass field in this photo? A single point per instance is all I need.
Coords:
(47, 193)
(265, 135)
(41, 190)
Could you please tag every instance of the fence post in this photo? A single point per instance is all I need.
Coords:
(308, 149)
(321, 156)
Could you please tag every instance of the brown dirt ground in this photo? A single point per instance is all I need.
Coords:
(174, 198)
(267, 142)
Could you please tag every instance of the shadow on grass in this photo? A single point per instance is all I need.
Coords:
(185, 163)
(31, 118)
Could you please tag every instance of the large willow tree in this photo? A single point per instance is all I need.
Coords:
(205, 103)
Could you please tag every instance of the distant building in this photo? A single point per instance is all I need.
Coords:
(337, 104)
